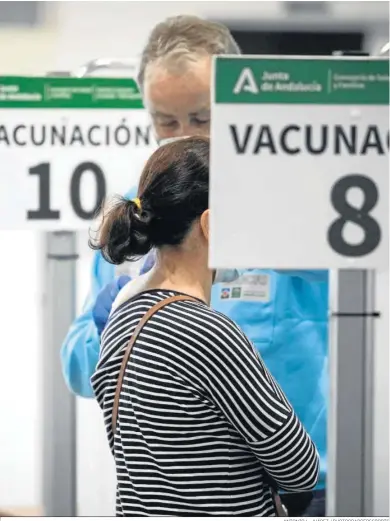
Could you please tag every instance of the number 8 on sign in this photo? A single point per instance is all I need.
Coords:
(359, 216)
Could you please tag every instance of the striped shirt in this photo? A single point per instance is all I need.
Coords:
(200, 418)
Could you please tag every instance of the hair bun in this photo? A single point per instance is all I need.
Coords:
(124, 232)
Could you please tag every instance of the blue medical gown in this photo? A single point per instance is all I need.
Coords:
(290, 330)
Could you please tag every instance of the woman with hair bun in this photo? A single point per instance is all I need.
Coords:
(196, 423)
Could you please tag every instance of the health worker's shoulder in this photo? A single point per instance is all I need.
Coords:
(102, 272)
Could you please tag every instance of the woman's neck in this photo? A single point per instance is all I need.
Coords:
(182, 271)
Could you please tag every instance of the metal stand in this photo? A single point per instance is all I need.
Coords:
(59, 419)
(350, 417)
(352, 465)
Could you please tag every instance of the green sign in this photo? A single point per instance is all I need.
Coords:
(333, 81)
(69, 93)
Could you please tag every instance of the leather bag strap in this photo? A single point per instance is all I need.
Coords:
(132, 341)
(279, 507)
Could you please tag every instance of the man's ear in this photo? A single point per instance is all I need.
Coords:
(204, 224)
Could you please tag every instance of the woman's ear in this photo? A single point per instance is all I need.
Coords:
(204, 224)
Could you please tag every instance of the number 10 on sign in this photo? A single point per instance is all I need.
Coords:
(44, 209)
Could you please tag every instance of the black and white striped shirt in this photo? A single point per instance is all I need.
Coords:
(200, 417)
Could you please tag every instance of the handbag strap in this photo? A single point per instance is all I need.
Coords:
(129, 347)
(281, 510)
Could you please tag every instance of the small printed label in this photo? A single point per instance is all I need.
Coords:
(236, 292)
(225, 293)
(248, 287)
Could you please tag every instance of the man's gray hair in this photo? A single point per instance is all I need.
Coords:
(185, 36)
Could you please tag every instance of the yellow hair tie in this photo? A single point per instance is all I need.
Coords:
(137, 202)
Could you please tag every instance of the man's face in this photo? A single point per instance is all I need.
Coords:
(179, 103)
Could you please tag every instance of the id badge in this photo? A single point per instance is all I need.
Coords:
(249, 287)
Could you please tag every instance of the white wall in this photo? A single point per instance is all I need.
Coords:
(20, 370)
(29, 50)
(103, 29)
(22, 51)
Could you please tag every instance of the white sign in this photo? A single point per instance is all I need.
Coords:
(65, 145)
(299, 163)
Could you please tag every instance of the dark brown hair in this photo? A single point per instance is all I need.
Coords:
(173, 193)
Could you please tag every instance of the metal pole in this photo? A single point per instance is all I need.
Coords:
(350, 418)
(59, 423)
